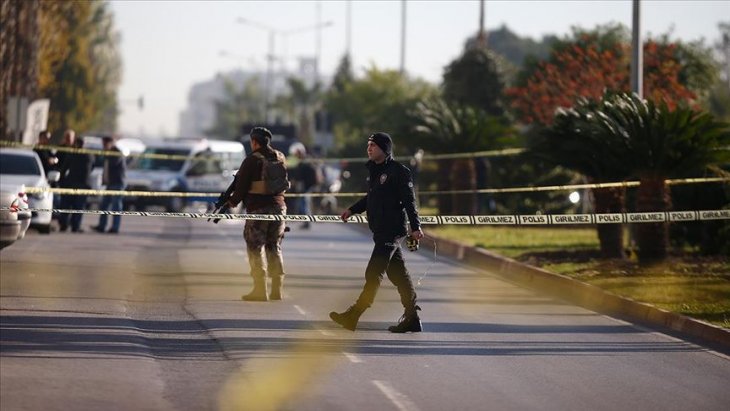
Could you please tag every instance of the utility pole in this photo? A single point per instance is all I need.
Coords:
(481, 37)
(637, 51)
(348, 30)
(403, 38)
(271, 56)
(318, 46)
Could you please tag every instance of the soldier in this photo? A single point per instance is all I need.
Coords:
(389, 198)
(260, 183)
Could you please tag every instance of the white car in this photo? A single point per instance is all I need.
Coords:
(14, 214)
(23, 168)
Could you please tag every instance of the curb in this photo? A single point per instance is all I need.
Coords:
(584, 294)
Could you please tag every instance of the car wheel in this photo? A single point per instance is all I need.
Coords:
(44, 229)
(176, 204)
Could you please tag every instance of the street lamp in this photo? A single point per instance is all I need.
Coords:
(272, 32)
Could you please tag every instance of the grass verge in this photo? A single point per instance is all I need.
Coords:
(685, 283)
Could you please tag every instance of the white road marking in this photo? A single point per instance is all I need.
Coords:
(325, 333)
(401, 402)
(298, 308)
(352, 357)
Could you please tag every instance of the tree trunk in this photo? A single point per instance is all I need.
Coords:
(463, 176)
(652, 238)
(610, 236)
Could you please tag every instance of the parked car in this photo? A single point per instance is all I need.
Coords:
(20, 167)
(14, 216)
(202, 165)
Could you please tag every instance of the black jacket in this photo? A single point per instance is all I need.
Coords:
(115, 169)
(390, 197)
(76, 169)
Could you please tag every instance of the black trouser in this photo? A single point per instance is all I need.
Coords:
(387, 258)
(72, 202)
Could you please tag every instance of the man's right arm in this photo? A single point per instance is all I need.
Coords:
(242, 181)
(356, 208)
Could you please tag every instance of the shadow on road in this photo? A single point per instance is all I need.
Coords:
(79, 337)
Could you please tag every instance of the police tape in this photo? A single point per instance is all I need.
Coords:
(113, 153)
(506, 219)
(65, 149)
(565, 187)
(449, 156)
(186, 194)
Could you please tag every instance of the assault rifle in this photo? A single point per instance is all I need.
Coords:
(221, 205)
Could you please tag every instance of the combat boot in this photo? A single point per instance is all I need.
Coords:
(259, 291)
(276, 286)
(409, 322)
(349, 318)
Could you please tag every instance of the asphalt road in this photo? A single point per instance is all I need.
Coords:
(151, 319)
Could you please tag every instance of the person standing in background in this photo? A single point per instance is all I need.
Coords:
(113, 178)
(75, 171)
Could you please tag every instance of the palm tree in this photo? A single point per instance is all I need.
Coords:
(573, 142)
(663, 144)
(453, 128)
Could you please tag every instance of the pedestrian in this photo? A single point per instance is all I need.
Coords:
(260, 184)
(46, 154)
(388, 200)
(68, 141)
(113, 178)
(308, 178)
(75, 171)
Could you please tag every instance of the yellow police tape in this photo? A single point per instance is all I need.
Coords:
(507, 219)
(627, 184)
(476, 154)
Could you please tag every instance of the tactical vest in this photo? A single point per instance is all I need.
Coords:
(273, 176)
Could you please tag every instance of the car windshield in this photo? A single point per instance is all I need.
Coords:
(18, 165)
(154, 163)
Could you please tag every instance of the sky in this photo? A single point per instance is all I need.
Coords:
(167, 46)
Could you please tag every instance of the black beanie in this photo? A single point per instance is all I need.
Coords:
(383, 141)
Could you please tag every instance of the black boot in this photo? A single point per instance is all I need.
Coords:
(408, 322)
(349, 318)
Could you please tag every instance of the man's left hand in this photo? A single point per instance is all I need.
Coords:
(418, 234)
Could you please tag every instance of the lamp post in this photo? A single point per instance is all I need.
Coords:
(637, 50)
(272, 32)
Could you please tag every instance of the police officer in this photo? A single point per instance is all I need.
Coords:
(389, 199)
(260, 183)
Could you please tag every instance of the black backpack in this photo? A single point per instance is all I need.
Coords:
(274, 178)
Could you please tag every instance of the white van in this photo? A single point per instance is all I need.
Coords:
(196, 166)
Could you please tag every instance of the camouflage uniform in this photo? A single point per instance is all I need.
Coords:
(260, 184)
(263, 238)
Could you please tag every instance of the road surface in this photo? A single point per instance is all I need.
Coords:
(152, 319)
